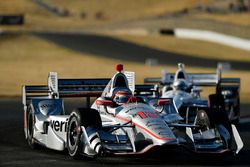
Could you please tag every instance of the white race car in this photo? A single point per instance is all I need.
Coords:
(185, 89)
(120, 121)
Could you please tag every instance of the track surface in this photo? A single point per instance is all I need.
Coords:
(105, 46)
(15, 152)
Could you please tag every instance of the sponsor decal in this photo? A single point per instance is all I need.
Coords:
(47, 106)
(145, 129)
(60, 126)
(147, 114)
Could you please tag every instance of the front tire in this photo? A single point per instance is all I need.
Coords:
(219, 116)
(74, 134)
(80, 117)
(237, 112)
(217, 111)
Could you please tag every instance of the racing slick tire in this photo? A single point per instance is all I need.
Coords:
(236, 109)
(80, 117)
(217, 111)
(218, 115)
(30, 128)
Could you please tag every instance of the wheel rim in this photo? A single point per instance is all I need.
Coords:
(73, 133)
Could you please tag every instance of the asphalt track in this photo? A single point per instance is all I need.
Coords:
(14, 150)
(105, 46)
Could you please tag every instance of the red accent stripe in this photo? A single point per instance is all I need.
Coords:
(141, 127)
(136, 153)
(122, 118)
(141, 114)
(122, 93)
(104, 102)
(147, 149)
(162, 102)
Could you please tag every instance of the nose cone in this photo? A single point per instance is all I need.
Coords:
(154, 127)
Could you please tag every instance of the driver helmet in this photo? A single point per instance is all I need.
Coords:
(122, 96)
(180, 84)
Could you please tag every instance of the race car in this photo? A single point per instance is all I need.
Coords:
(185, 89)
(120, 121)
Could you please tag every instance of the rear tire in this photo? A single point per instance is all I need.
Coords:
(30, 129)
(80, 117)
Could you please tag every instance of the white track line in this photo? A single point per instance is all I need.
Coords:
(213, 37)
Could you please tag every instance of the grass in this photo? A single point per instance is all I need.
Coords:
(36, 18)
(26, 59)
(241, 19)
(113, 11)
(29, 63)
(117, 10)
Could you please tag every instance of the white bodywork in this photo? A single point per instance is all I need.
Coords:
(129, 125)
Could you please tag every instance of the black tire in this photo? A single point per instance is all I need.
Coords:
(80, 117)
(218, 115)
(74, 134)
(30, 128)
(237, 112)
(217, 112)
(217, 101)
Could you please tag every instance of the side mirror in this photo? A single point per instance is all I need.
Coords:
(105, 102)
(162, 102)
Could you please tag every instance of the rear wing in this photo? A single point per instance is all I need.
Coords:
(196, 79)
(232, 84)
(63, 88)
